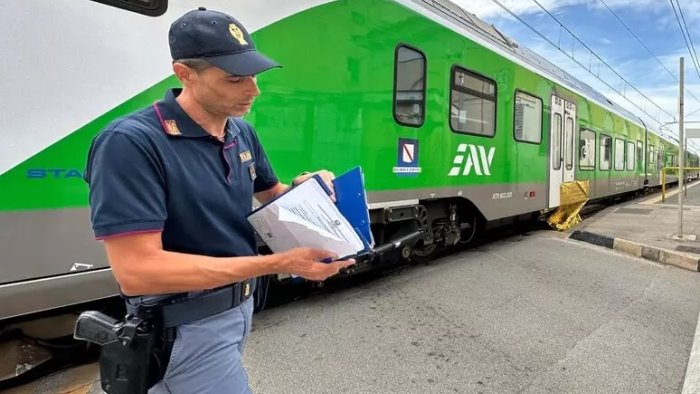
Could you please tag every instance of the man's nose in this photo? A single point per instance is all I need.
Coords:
(252, 86)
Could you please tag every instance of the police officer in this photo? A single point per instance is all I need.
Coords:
(170, 188)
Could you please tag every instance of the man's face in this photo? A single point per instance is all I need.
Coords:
(223, 94)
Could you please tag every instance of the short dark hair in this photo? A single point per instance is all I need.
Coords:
(197, 64)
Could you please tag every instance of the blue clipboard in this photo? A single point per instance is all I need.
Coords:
(351, 201)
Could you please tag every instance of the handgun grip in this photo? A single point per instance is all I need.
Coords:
(96, 327)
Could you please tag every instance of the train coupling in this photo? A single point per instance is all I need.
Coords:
(399, 243)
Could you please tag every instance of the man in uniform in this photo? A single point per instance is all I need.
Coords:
(170, 188)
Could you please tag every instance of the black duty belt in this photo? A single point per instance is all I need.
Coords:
(187, 310)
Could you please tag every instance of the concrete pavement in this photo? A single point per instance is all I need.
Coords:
(527, 314)
(649, 229)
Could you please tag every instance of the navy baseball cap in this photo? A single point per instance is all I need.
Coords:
(218, 38)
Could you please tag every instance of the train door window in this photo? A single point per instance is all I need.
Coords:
(652, 154)
(472, 103)
(640, 154)
(145, 7)
(586, 159)
(409, 86)
(630, 156)
(556, 142)
(569, 141)
(619, 154)
(527, 115)
(605, 151)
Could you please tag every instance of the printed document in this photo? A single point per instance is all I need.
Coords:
(306, 216)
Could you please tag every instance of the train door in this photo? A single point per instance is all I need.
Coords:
(561, 146)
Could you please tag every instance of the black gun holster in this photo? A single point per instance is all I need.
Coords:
(136, 351)
(138, 360)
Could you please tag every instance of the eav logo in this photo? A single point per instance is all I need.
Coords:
(476, 158)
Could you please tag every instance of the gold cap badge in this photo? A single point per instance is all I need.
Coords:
(237, 33)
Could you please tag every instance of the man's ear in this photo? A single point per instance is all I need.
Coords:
(184, 73)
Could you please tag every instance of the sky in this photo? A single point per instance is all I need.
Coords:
(652, 21)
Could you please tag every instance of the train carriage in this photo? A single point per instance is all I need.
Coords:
(455, 126)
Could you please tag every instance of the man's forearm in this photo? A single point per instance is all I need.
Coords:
(171, 272)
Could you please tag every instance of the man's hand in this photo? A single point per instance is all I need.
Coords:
(306, 262)
(326, 175)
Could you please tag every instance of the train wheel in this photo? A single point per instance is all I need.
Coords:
(423, 253)
(468, 230)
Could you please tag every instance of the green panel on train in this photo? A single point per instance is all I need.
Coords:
(331, 106)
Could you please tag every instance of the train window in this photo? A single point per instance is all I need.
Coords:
(640, 155)
(605, 151)
(556, 142)
(630, 156)
(586, 144)
(472, 103)
(409, 86)
(619, 154)
(652, 154)
(569, 141)
(145, 7)
(527, 115)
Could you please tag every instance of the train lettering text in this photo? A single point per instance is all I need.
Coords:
(472, 157)
(502, 196)
(54, 173)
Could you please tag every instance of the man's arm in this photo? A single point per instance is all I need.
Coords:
(142, 267)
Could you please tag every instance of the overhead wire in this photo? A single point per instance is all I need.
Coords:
(598, 57)
(593, 53)
(601, 60)
(688, 42)
(675, 78)
(691, 47)
(583, 66)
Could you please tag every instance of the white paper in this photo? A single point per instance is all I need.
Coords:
(306, 216)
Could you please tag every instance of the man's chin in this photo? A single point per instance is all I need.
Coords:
(240, 112)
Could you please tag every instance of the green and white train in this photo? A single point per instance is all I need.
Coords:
(454, 125)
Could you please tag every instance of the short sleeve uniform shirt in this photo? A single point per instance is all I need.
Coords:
(158, 170)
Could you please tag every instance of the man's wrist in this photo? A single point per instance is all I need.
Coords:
(294, 181)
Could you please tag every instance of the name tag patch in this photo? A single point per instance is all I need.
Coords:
(251, 169)
(245, 156)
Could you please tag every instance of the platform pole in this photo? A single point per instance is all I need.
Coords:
(681, 140)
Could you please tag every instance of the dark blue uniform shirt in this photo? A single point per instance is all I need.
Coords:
(158, 170)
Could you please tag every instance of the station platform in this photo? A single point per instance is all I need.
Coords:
(648, 228)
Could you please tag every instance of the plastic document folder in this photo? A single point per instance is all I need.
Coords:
(306, 215)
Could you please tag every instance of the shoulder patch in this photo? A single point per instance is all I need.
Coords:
(171, 127)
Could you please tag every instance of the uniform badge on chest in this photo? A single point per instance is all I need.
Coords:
(251, 169)
(245, 156)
